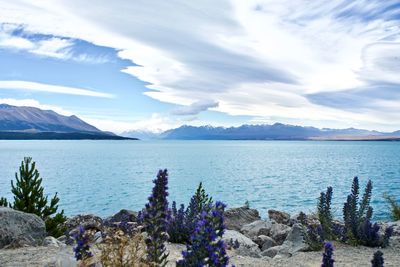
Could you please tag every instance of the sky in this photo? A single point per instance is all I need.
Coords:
(154, 65)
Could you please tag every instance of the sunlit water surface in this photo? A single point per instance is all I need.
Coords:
(103, 177)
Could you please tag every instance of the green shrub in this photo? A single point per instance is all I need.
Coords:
(3, 202)
(29, 197)
(359, 230)
(394, 206)
(183, 222)
(324, 213)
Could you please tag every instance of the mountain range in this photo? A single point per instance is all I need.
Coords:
(34, 123)
(277, 131)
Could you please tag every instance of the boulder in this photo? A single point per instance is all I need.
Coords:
(88, 221)
(246, 246)
(126, 220)
(271, 252)
(237, 217)
(279, 232)
(294, 243)
(295, 240)
(50, 241)
(279, 216)
(264, 242)
(395, 226)
(18, 228)
(39, 256)
(123, 216)
(257, 228)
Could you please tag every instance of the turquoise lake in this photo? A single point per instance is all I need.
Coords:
(103, 177)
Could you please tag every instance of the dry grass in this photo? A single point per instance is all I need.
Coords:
(121, 250)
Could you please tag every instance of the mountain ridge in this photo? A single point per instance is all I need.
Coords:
(276, 131)
(24, 122)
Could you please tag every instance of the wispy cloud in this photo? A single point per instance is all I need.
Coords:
(57, 89)
(195, 108)
(14, 36)
(261, 58)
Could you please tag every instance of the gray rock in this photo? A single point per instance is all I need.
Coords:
(259, 240)
(62, 238)
(295, 240)
(237, 217)
(279, 232)
(123, 216)
(247, 246)
(279, 216)
(294, 243)
(39, 256)
(19, 228)
(97, 238)
(246, 252)
(50, 241)
(271, 252)
(88, 221)
(257, 228)
(269, 243)
(395, 226)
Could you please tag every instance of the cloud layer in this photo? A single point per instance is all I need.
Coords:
(57, 89)
(325, 63)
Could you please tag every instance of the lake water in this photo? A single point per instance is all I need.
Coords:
(103, 177)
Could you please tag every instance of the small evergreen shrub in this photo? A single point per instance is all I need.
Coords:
(155, 220)
(377, 260)
(206, 248)
(324, 212)
(199, 202)
(183, 222)
(327, 256)
(29, 197)
(3, 202)
(394, 206)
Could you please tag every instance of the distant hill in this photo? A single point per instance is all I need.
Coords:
(142, 135)
(34, 123)
(277, 131)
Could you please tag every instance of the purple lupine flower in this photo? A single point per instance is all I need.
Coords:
(327, 259)
(82, 248)
(368, 234)
(206, 247)
(377, 261)
(155, 220)
(178, 229)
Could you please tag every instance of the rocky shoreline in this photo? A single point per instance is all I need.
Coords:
(251, 241)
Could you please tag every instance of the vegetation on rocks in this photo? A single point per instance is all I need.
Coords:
(394, 206)
(359, 230)
(127, 240)
(29, 197)
(155, 220)
(377, 260)
(324, 212)
(327, 256)
(82, 251)
(120, 249)
(183, 222)
(206, 247)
